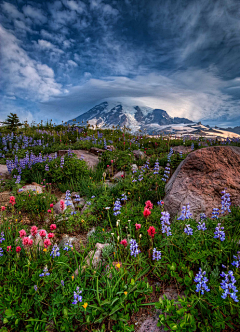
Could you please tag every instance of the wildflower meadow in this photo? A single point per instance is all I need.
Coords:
(127, 249)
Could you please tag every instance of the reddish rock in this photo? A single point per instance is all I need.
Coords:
(200, 178)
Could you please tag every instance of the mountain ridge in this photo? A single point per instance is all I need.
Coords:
(134, 117)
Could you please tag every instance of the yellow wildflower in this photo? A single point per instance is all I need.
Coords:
(125, 293)
(72, 277)
(118, 265)
(85, 305)
(15, 219)
(82, 220)
(45, 249)
(103, 229)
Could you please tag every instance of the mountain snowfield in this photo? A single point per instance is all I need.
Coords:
(133, 117)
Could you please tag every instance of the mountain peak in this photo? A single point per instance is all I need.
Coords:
(111, 113)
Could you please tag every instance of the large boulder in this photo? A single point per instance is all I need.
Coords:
(200, 178)
(90, 158)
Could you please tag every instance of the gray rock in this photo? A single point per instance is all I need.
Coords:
(118, 175)
(134, 167)
(90, 158)
(36, 188)
(93, 258)
(139, 154)
(57, 209)
(66, 239)
(91, 232)
(111, 148)
(4, 174)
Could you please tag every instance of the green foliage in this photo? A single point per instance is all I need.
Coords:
(34, 203)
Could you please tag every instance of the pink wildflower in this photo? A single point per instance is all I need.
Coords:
(149, 205)
(22, 233)
(18, 249)
(25, 241)
(12, 200)
(51, 205)
(3, 208)
(146, 212)
(138, 226)
(62, 205)
(47, 243)
(52, 227)
(50, 235)
(42, 233)
(49, 211)
(34, 230)
(151, 231)
(124, 242)
(9, 248)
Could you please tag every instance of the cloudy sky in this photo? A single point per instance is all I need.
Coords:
(60, 58)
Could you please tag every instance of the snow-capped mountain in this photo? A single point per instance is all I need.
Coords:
(133, 117)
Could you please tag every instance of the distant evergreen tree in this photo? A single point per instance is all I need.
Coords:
(12, 122)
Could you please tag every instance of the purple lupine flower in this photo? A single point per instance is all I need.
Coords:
(134, 251)
(237, 260)
(202, 282)
(156, 167)
(62, 282)
(2, 238)
(226, 285)
(188, 230)
(156, 254)
(201, 226)
(215, 213)
(219, 233)
(165, 223)
(35, 287)
(77, 296)
(67, 246)
(62, 162)
(225, 202)
(55, 251)
(185, 213)
(1, 251)
(45, 272)
(117, 207)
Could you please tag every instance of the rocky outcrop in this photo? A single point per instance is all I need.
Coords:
(200, 178)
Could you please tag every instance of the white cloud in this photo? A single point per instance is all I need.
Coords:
(72, 63)
(78, 6)
(193, 94)
(35, 14)
(11, 10)
(23, 76)
(46, 45)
